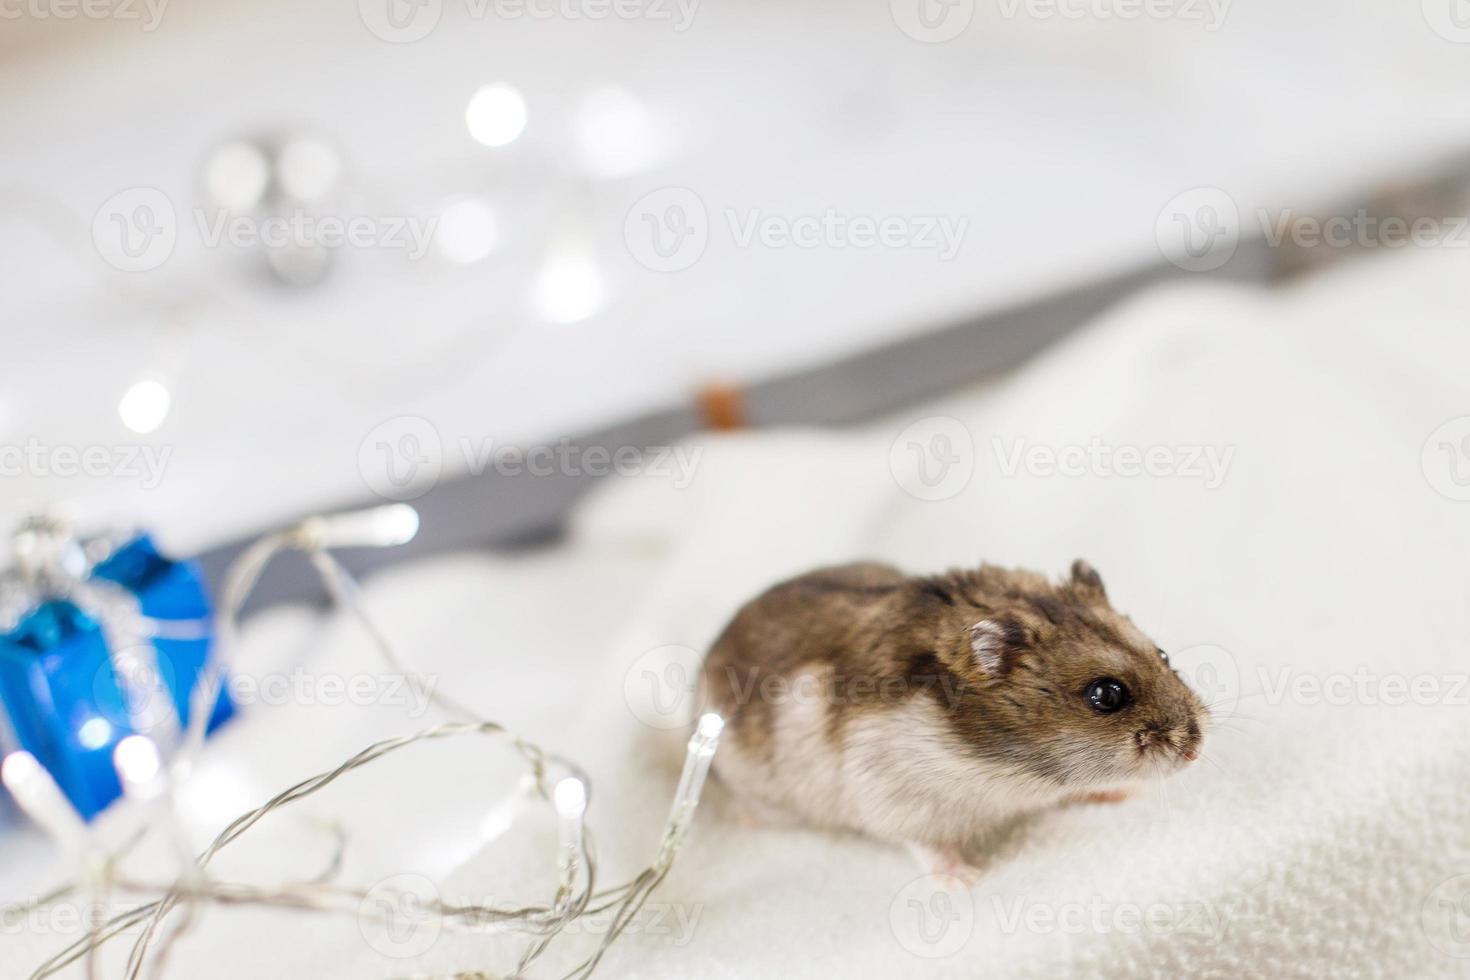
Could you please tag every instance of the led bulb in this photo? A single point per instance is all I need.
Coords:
(710, 726)
(237, 175)
(697, 759)
(19, 772)
(468, 231)
(570, 797)
(496, 114)
(94, 733)
(308, 169)
(375, 527)
(42, 800)
(139, 767)
(615, 135)
(569, 287)
(144, 406)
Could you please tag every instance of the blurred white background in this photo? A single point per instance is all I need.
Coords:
(1050, 142)
(578, 216)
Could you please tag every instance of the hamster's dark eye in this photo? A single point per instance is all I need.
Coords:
(1164, 657)
(1107, 695)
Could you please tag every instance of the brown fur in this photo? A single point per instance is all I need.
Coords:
(891, 638)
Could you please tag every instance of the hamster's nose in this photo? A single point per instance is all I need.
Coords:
(1189, 745)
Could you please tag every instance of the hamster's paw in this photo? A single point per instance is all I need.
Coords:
(950, 861)
(746, 816)
(1104, 796)
(751, 813)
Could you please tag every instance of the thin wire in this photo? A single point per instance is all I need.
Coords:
(348, 594)
(193, 886)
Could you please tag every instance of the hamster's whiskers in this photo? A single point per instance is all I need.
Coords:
(1218, 768)
(922, 709)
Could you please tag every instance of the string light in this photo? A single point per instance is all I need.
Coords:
(308, 168)
(42, 800)
(569, 286)
(468, 231)
(145, 778)
(139, 768)
(496, 114)
(615, 135)
(570, 799)
(146, 783)
(377, 527)
(237, 175)
(144, 405)
(698, 756)
(94, 733)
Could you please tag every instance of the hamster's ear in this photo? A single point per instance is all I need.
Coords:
(1086, 580)
(995, 643)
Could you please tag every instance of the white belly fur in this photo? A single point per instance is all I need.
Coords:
(897, 774)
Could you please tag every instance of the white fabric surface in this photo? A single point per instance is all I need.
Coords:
(1308, 845)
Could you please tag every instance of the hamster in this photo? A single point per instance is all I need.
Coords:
(922, 710)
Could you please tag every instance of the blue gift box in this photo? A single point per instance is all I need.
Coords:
(59, 686)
